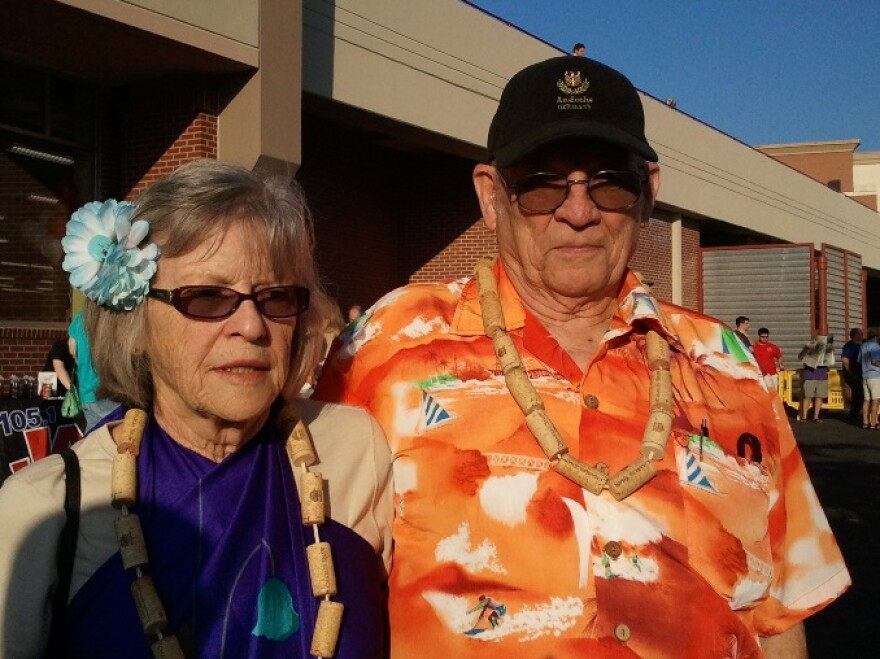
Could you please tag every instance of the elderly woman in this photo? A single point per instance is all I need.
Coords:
(192, 537)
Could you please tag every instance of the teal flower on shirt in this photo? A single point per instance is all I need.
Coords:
(103, 257)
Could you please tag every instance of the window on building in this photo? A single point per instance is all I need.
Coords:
(47, 134)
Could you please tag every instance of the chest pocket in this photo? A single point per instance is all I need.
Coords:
(727, 506)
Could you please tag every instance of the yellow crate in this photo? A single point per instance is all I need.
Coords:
(790, 390)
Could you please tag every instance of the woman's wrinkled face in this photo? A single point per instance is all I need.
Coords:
(230, 370)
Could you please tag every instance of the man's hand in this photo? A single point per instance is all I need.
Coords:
(790, 644)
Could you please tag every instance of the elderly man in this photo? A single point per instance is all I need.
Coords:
(607, 470)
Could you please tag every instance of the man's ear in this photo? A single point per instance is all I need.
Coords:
(484, 186)
(653, 187)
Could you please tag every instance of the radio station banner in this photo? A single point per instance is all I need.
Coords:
(31, 429)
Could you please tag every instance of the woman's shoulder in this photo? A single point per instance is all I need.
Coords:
(338, 422)
(355, 461)
(44, 478)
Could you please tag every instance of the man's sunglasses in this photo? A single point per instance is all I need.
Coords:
(218, 302)
(610, 190)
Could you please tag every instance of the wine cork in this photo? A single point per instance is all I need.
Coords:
(661, 391)
(312, 498)
(124, 480)
(327, 628)
(657, 351)
(589, 478)
(167, 648)
(523, 391)
(546, 435)
(505, 349)
(129, 438)
(656, 435)
(149, 607)
(485, 277)
(127, 447)
(493, 315)
(321, 569)
(132, 546)
(299, 446)
(631, 478)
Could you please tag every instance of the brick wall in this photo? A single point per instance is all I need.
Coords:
(146, 132)
(383, 215)
(161, 127)
(690, 264)
(653, 258)
(458, 258)
(23, 350)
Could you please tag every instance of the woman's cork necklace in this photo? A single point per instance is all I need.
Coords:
(133, 548)
(591, 478)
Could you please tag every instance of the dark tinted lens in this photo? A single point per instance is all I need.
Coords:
(206, 301)
(615, 190)
(541, 192)
(283, 301)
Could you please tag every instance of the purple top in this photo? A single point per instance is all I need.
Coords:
(227, 555)
(818, 373)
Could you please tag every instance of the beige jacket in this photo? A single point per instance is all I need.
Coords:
(353, 458)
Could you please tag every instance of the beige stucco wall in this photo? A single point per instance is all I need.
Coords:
(261, 125)
(233, 19)
(866, 174)
(710, 174)
(223, 27)
(436, 64)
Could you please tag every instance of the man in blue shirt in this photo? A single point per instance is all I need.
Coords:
(869, 356)
(852, 371)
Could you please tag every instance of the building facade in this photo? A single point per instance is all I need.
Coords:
(380, 108)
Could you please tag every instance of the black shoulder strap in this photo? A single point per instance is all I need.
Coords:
(66, 547)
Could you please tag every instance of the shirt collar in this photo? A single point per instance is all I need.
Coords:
(635, 306)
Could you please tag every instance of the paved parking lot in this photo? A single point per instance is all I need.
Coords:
(844, 463)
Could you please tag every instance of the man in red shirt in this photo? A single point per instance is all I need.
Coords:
(769, 358)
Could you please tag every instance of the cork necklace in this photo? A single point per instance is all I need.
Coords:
(133, 549)
(593, 478)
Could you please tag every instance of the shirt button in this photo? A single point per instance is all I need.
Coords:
(622, 633)
(613, 549)
(591, 401)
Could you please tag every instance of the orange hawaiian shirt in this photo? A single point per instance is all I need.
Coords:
(497, 555)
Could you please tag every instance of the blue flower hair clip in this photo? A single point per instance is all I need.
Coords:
(103, 257)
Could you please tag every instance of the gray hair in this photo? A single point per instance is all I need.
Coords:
(187, 208)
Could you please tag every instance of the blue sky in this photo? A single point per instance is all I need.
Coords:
(764, 72)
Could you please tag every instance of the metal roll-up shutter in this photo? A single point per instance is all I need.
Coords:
(771, 284)
(835, 293)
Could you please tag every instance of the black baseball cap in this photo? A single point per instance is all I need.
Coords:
(564, 98)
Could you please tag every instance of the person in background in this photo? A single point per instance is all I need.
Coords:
(579, 50)
(869, 357)
(606, 469)
(61, 362)
(769, 358)
(814, 379)
(355, 311)
(94, 408)
(742, 330)
(200, 470)
(852, 372)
